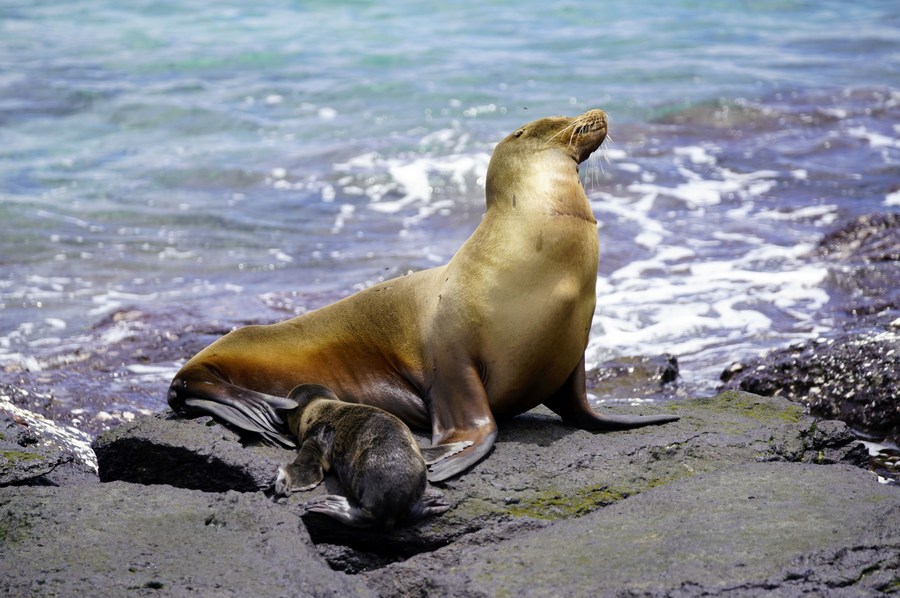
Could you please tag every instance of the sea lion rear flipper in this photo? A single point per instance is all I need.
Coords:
(571, 404)
(338, 507)
(461, 461)
(432, 503)
(200, 391)
(439, 452)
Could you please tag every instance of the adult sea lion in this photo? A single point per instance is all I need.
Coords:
(498, 330)
(381, 469)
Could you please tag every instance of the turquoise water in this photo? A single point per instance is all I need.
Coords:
(168, 162)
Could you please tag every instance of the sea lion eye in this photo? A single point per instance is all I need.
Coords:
(519, 133)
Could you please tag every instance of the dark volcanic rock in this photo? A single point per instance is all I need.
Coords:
(540, 469)
(852, 374)
(26, 458)
(634, 377)
(748, 530)
(870, 238)
(122, 539)
(737, 494)
(854, 378)
(864, 269)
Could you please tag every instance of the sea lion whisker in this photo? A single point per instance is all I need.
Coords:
(559, 134)
(604, 153)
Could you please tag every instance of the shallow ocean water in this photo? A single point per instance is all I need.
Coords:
(171, 170)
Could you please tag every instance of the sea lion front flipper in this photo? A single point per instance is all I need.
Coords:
(439, 452)
(305, 473)
(460, 412)
(571, 404)
(338, 507)
(482, 444)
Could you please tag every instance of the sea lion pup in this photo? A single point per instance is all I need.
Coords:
(374, 455)
(498, 330)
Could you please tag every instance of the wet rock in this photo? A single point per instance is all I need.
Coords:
(28, 458)
(864, 270)
(870, 238)
(22, 459)
(123, 539)
(851, 377)
(634, 377)
(853, 373)
(594, 506)
(539, 470)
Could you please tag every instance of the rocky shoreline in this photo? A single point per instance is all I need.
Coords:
(852, 373)
(745, 494)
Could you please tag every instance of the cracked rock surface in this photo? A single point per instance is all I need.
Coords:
(743, 494)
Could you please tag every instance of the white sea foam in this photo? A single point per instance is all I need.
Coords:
(413, 180)
(824, 214)
(170, 253)
(345, 213)
(280, 255)
(679, 300)
(154, 373)
(696, 154)
(327, 113)
(875, 140)
(656, 309)
(57, 323)
(614, 153)
(113, 300)
(699, 191)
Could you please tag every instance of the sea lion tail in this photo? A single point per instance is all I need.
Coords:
(201, 391)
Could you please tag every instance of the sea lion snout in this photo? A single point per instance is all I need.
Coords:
(591, 121)
(589, 132)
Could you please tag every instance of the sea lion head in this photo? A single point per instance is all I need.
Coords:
(301, 417)
(305, 394)
(542, 150)
(576, 136)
